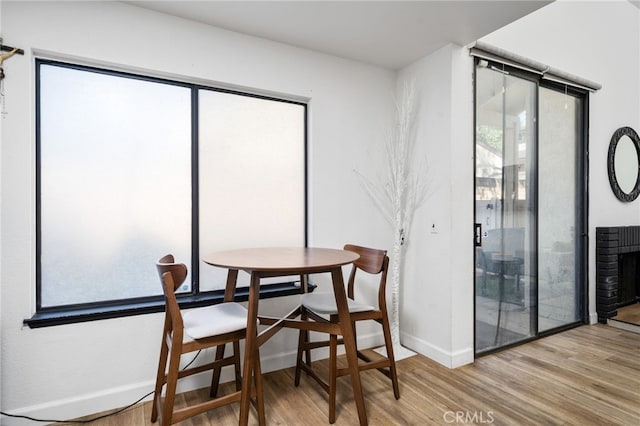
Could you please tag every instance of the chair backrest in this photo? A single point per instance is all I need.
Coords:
(372, 261)
(178, 271)
(172, 275)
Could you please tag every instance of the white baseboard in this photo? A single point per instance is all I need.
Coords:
(108, 399)
(462, 357)
(67, 408)
(441, 356)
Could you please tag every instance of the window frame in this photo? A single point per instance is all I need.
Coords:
(90, 311)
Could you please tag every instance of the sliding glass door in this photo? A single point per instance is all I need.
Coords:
(505, 208)
(527, 180)
(560, 130)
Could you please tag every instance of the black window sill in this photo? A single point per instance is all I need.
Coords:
(94, 313)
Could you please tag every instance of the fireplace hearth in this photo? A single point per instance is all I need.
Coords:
(617, 269)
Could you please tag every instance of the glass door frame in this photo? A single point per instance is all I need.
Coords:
(581, 201)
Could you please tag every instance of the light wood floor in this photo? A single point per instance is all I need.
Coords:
(586, 376)
(629, 314)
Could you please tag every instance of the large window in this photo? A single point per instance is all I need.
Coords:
(130, 168)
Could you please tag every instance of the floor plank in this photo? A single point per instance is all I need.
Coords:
(586, 376)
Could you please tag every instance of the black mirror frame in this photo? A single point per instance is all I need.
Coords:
(620, 194)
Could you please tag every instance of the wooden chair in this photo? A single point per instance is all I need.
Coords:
(197, 329)
(318, 306)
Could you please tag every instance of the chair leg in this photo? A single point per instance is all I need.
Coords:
(215, 380)
(307, 352)
(333, 367)
(303, 339)
(257, 377)
(301, 342)
(160, 378)
(236, 363)
(392, 360)
(355, 333)
(172, 382)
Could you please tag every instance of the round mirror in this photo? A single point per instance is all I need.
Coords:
(623, 164)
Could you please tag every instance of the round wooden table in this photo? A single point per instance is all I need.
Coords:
(284, 261)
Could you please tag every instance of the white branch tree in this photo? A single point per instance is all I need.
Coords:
(397, 192)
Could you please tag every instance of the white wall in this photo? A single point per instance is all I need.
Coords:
(73, 370)
(599, 41)
(437, 302)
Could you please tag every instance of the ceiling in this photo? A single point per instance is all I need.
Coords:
(389, 34)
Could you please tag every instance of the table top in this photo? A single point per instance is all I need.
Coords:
(273, 259)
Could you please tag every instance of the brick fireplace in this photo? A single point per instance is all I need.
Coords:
(617, 269)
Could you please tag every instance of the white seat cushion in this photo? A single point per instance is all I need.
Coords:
(325, 303)
(216, 319)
